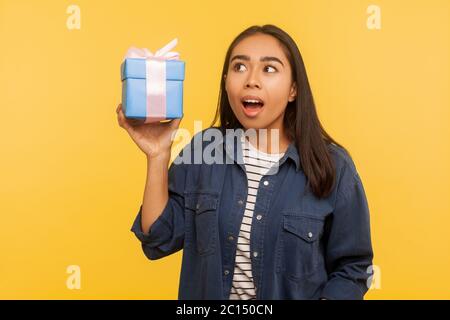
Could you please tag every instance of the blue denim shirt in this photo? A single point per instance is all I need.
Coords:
(306, 248)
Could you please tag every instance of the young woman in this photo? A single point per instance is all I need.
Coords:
(286, 222)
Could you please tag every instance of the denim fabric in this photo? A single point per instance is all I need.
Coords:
(302, 247)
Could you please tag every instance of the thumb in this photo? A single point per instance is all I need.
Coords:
(175, 123)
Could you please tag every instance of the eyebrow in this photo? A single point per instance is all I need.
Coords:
(247, 58)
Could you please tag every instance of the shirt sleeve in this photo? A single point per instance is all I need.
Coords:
(166, 234)
(348, 252)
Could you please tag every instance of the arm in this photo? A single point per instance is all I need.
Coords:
(162, 232)
(159, 224)
(156, 190)
(348, 253)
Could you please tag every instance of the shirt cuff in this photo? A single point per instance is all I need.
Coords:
(341, 289)
(159, 230)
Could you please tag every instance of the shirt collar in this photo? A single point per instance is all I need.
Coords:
(292, 153)
(232, 146)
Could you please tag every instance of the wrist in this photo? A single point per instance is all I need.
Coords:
(162, 156)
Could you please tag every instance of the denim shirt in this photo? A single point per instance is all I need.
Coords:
(302, 247)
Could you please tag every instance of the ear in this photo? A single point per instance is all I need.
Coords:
(293, 92)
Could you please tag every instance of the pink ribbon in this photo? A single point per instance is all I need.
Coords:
(155, 72)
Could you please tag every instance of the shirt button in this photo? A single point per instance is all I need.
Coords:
(198, 205)
(231, 238)
(310, 235)
(258, 217)
(226, 272)
(240, 202)
(266, 183)
(255, 254)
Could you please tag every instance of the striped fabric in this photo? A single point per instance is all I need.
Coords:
(257, 164)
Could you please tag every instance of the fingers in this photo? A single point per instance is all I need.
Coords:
(121, 118)
(175, 123)
(135, 122)
(129, 123)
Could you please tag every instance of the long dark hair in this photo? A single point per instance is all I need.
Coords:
(301, 122)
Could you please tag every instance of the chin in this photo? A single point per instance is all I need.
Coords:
(255, 124)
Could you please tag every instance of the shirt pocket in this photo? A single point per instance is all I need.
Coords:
(299, 252)
(202, 208)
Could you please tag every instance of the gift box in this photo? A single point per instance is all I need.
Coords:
(152, 84)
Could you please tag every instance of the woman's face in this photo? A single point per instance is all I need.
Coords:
(259, 70)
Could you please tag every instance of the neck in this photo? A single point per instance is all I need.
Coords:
(271, 141)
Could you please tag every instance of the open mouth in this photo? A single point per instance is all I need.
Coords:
(252, 105)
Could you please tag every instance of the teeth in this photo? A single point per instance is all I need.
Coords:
(252, 101)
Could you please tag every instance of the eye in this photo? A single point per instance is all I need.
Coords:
(236, 65)
(272, 68)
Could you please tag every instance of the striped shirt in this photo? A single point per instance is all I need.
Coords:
(257, 164)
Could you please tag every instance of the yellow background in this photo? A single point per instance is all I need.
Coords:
(72, 180)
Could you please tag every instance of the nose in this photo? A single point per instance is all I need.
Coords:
(252, 80)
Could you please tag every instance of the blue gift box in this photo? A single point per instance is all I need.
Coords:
(134, 84)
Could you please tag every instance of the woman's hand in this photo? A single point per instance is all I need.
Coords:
(154, 139)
